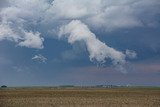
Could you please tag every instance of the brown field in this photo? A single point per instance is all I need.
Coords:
(49, 97)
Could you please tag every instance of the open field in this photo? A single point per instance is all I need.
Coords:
(50, 97)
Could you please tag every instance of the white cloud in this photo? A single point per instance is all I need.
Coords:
(17, 18)
(39, 58)
(76, 31)
(131, 54)
(32, 40)
(43, 16)
(7, 33)
(26, 21)
(22, 38)
(73, 9)
(106, 14)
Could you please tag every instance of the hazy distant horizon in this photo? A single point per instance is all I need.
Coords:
(79, 42)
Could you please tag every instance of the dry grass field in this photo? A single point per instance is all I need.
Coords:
(49, 97)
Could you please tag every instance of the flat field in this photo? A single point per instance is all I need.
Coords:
(77, 97)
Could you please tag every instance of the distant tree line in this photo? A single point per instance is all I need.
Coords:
(3, 86)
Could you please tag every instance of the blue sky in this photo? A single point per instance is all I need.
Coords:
(48, 43)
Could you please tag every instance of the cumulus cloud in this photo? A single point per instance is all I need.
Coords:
(131, 54)
(28, 22)
(107, 14)
(16, 18)
(44, 16)
(7, 33)
(22, 38)
(32, 40)
(39, 58)
(76, 31)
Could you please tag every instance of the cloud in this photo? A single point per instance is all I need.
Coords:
(15, 20)
(76, 9)
(44, 16)
(22, 38)
(131, 54)
(32, 40)
(76, 31)
(7, 33)
(107, 14)
(3, 3)
(29, 22)
(39, 58)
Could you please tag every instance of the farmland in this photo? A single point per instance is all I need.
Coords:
(77, 97)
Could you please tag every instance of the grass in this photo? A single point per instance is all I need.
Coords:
(77, 97)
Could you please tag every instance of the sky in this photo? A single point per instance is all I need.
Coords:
(79, 42)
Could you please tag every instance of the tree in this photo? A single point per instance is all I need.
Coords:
(3, 86)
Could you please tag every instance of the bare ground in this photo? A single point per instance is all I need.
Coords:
(79, 97)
